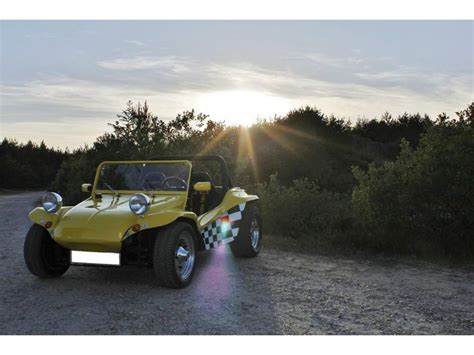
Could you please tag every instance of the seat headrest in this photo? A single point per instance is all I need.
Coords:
(201, 176)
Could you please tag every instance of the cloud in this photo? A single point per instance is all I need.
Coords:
(332, 61)
(397, 91)
(441, 86)
(169, 63)
(70, 133)
(57, 99)
(61, 92)
(359, 82)
(388, 76)
(135, 42)
(68, 103)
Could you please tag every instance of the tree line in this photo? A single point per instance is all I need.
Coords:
(28, 165)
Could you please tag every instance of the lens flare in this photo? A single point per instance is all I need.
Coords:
(242, 106)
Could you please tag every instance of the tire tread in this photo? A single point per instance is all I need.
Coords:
(241, 247)
(164, 255)
(32, 253)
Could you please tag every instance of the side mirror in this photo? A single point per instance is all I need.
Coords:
(202, 187)
(86, 187)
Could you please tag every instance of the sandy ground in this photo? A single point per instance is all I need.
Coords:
(275, 293)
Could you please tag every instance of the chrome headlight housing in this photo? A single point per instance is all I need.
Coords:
(139, 204)
(52, 202)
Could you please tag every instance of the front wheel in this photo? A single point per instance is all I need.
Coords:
(247, 244)
(43, 256)
(174, 255)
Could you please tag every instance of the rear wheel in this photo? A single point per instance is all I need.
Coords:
(174, 255)
(247, 244)
(43, 256)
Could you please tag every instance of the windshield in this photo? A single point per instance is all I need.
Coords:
(164, 176)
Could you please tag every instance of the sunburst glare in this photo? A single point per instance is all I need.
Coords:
(246, 149)
(241, 107)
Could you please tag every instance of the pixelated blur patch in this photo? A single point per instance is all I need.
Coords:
(86, 257)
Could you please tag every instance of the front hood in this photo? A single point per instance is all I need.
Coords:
(100, 225)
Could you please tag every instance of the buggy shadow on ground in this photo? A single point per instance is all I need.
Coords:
(275, 293)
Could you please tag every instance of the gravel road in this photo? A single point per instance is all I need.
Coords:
(275, 293)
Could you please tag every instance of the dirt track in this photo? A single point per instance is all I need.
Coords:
(275, 293)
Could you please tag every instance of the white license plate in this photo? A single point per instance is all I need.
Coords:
(88, 257)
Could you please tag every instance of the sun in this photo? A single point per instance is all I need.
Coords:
(241, 107)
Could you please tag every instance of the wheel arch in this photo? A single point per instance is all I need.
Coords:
(149, 236)
(197, 235)
(42, 218)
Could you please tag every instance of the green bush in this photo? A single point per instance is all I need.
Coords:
(422, 203)
(71, 175)
(303, 211)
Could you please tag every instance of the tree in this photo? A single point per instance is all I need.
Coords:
(137, 129)
(423, 202)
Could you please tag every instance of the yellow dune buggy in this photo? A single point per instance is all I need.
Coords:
(156, 213)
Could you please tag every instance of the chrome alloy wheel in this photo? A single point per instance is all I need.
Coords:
(255, 234)
(184, 256)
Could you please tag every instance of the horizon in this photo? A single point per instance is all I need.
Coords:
(66, 92)
(88, 145)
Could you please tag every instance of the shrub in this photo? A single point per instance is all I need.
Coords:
(422, 203)
(71, 175)
(306, 213)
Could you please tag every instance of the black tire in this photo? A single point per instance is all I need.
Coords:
(165, 259)
(242, 245)
(43, 256)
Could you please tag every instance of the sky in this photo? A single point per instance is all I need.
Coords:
(63, 81)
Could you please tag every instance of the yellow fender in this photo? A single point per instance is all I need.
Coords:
(48, 220)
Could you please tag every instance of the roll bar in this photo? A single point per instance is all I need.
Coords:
(226, 181)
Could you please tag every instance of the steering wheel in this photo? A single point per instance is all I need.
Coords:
(180, 186)
(154, 180)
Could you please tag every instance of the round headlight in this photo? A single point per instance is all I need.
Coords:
(52, 202)
(139, 203)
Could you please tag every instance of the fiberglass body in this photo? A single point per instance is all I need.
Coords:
(103, 221)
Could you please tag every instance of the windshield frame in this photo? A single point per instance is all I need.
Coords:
(95, 190)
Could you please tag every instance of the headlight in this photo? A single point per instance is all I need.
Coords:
(139, 203)
(52, 202)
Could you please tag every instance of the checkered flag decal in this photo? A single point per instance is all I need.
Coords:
(224, 229)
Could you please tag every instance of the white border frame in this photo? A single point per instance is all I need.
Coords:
(237, 9)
